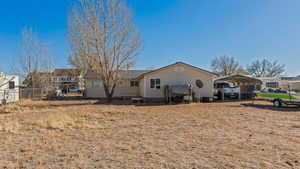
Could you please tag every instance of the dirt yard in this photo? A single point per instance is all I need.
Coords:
(81, 134)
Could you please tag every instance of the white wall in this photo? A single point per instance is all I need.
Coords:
(179, 74)
(142, 88)
(11, 95)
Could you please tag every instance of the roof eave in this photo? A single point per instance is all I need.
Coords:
(165, 67)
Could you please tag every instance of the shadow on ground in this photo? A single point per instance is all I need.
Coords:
(271, 107)
(81, 101)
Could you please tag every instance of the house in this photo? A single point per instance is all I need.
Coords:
(59, 78)
(294, 83)
(284, 83)
(66, 79)
(9, 88)
(274, 83)
(150, 84)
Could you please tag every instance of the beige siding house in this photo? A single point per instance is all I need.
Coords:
(294, 83)
(128, 87)
(149, 84)
(274, 83)
(285, 83)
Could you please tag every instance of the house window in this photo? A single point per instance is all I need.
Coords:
(95, 84)
(134, 83)
(11, 85)
(272, 85)
(155, 83)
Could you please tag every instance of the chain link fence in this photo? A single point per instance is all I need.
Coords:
(31, 93)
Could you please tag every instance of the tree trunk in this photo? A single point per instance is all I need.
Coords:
(109, 93)
(109, 99)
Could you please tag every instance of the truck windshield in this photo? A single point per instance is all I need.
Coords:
(223, 85)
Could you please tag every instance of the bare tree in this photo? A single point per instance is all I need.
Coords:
(265, 68)
(103, 39)
(29, 60)
(225, 65)
(47, 69)
(34, 60)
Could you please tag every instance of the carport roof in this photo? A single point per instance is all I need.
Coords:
(238, 79)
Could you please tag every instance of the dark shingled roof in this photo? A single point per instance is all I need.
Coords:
(291, 78)
(136, 74)
(66, 72)
(297, 78)
(126, 74)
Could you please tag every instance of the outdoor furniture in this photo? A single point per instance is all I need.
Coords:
(137, 100)
(178, 92)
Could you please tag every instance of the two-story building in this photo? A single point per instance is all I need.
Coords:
(66, 78)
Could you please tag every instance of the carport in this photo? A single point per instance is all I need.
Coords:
(247, 84)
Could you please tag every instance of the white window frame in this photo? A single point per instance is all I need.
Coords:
(272, 85)
(134, 83)
(157, 83)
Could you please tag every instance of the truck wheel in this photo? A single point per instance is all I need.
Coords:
(277, 103)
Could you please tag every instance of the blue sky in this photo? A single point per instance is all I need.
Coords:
(192, 31)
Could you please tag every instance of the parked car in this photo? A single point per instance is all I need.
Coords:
(229, 91)
(73, 90)
(81, 90)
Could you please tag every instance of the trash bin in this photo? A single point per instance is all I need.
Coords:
(3, 101)
(205, 99)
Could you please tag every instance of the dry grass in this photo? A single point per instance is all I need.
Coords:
(54, 121)
(80, 134)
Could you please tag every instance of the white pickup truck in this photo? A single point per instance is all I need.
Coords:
(227, 90)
